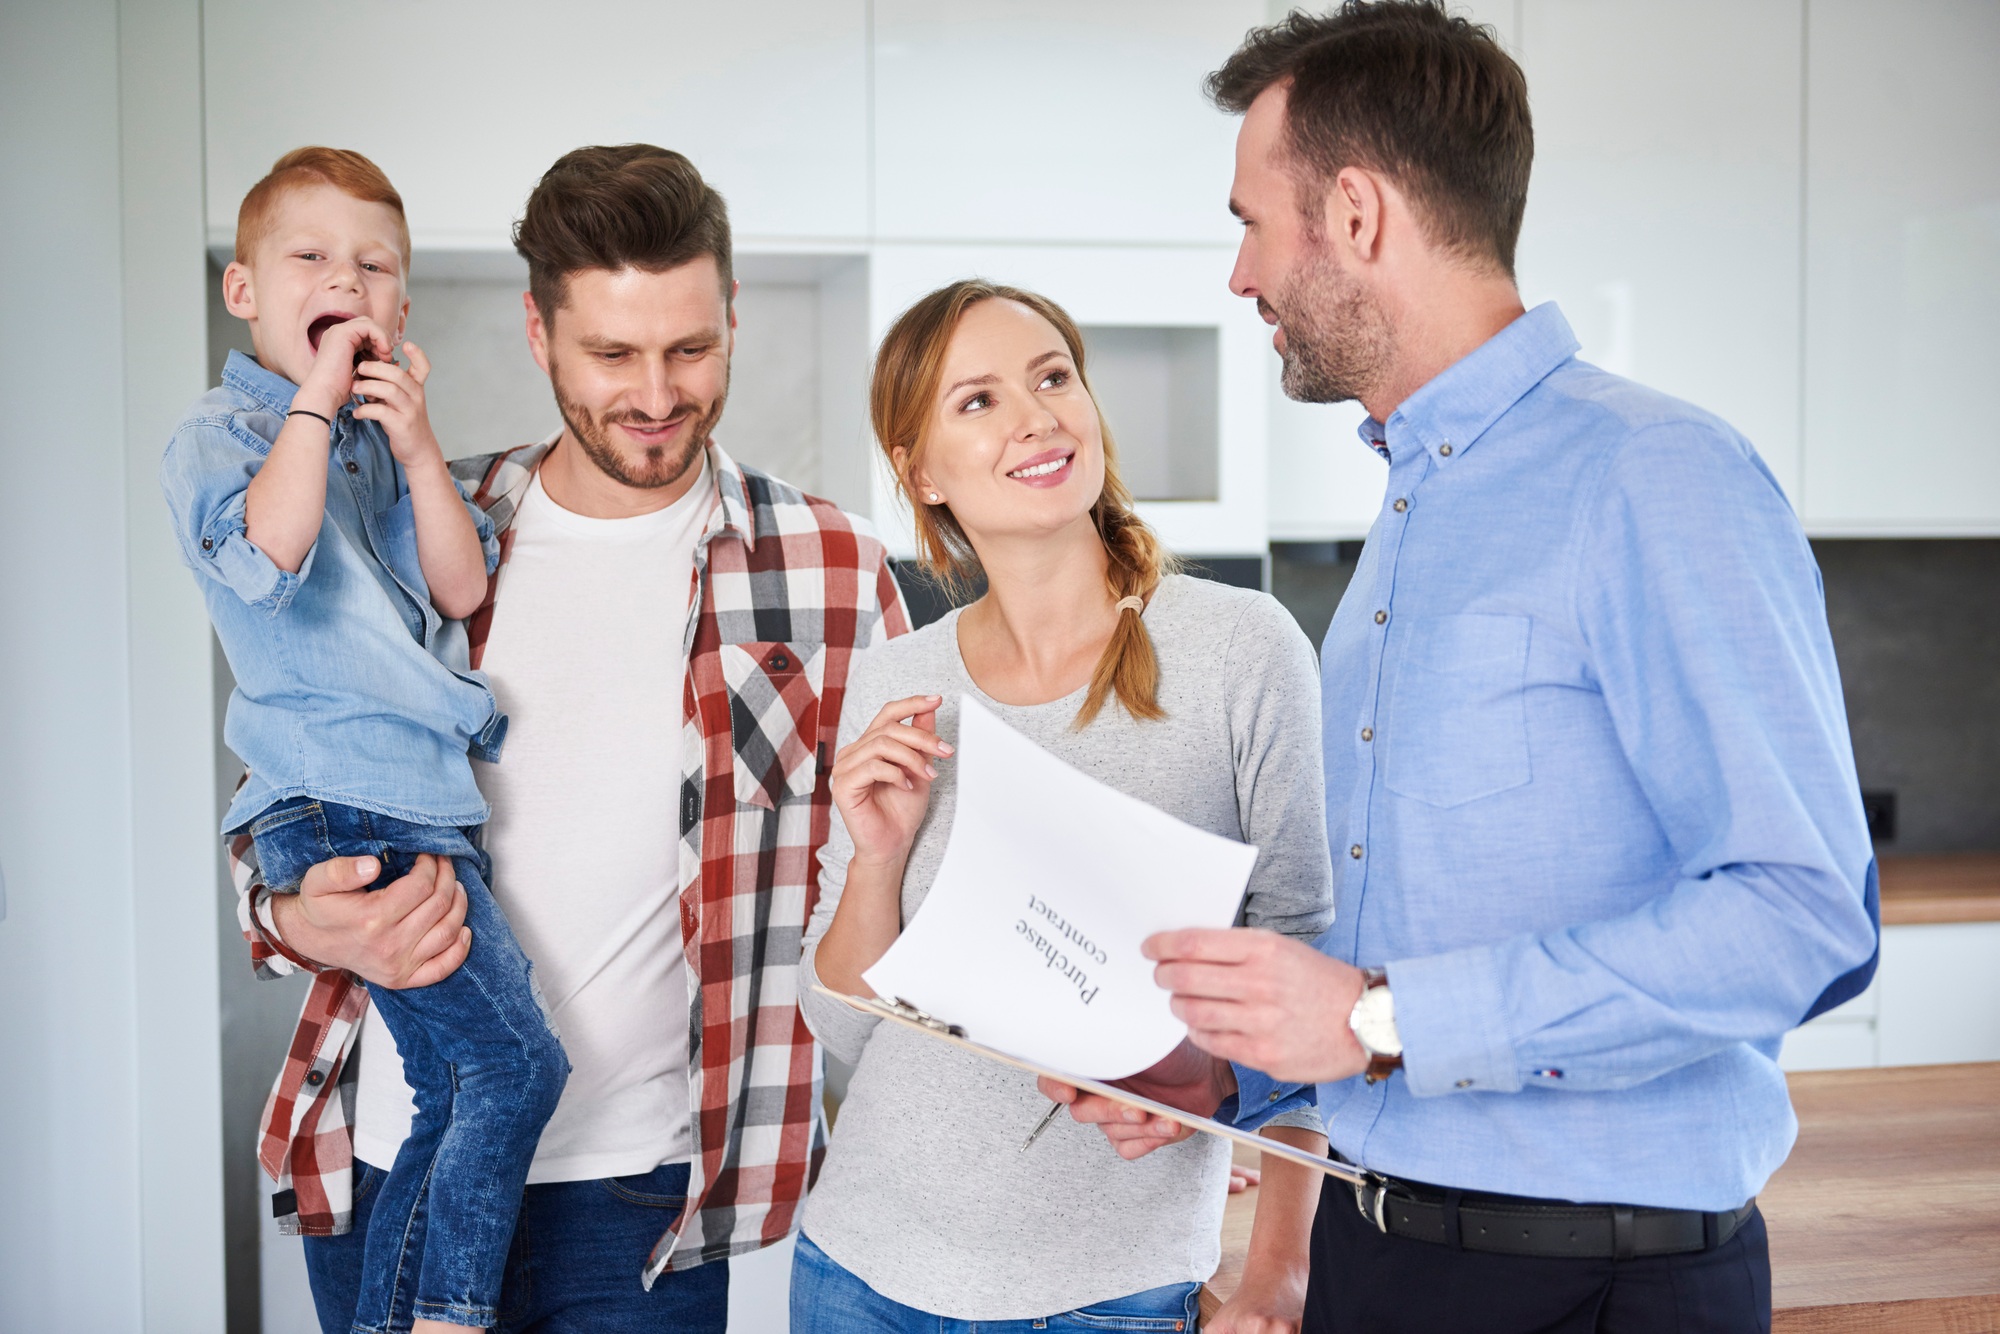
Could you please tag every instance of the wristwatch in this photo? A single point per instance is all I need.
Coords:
(1374, 1025)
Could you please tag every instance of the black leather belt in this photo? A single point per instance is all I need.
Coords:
(1510, 1225)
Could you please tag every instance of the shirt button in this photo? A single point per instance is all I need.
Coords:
(1445, 449)
(1463, 1084)
(1381, 618)
(1355, 852)
(1276, 1094)
(1367, 734)
(780, 663)
(207, 544)
(1401, 504)
(352, 466)
(315, 1078)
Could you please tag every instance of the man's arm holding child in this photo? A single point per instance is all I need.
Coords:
(448, 545)
(409, 933)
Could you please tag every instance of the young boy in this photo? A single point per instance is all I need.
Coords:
(336, 555)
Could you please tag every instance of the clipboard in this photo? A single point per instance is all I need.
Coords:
(900, 1011)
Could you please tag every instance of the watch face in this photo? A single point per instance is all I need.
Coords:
(1374, 1023)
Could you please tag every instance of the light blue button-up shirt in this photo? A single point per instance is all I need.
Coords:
(1590, 790)
(349, 685)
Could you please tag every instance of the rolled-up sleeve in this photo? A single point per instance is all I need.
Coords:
(205, 476)
(1701, 608)
(482, 523)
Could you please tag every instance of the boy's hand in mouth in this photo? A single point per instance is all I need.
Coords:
(340, 342)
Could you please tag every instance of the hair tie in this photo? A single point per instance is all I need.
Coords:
(1132, 603)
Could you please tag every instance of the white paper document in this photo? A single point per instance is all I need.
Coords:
(1029, 938)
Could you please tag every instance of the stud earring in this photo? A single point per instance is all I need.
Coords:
(934, 497)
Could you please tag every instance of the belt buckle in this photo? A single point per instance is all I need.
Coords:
(1371, 1195)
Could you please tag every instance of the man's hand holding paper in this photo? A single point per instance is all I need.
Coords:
(1246, 996)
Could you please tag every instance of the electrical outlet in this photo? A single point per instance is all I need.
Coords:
(1879, 805)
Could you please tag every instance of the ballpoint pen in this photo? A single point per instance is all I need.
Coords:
(1042, 1125)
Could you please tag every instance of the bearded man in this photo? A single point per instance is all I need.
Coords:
(672, 651)
(1598, 836)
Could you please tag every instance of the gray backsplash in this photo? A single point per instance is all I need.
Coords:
(1916, 625)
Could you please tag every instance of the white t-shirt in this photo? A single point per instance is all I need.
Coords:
(585, 657)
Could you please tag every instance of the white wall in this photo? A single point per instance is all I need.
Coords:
(69, 1226)
(110, 1213)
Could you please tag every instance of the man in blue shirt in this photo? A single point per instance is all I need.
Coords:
(1597, 829)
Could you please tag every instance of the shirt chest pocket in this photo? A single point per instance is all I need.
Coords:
(1457, 724)
(774, 689)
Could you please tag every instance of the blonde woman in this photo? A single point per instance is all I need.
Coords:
(1200, 699)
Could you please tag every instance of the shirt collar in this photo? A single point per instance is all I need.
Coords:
(734, 514)
(246, 375)
(1449, 415)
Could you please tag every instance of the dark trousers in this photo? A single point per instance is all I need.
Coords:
(1365, 1282)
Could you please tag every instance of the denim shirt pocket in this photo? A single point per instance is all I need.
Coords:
(1456, 728)
(774, 689)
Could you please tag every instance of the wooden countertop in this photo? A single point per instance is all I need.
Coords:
(1887, 1214)
(1923, 889)
(1885, 1217)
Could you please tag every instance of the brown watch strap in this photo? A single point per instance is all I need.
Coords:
(1380, 1066)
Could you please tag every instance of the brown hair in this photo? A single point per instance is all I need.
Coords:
(901, 398)
(342, 168)
(1405, 88)
(633, 206)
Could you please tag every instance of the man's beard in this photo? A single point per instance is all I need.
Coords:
(650, 468)
(1337, 343)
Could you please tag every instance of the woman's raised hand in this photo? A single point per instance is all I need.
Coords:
(882, 783)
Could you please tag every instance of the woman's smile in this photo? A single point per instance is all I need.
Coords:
(1048, 468)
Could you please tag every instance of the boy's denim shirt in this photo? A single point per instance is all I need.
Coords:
(350, 687)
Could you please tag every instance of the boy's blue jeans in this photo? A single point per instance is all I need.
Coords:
(828, 1299)
(481, 1058)
(574, 1268)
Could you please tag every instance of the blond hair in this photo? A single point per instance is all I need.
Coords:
(908, 369)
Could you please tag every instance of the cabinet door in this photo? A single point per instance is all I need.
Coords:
(1664, 208)
(1034, 120)
(1940, 990)
(466, 106)
(1902, 267)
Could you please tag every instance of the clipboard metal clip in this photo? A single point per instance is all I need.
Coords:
(902, 1009)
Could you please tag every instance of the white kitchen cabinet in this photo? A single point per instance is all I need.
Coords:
(1940, 989)
(1663, 213)
(1902, 299)
(1132, 288)
(1935, 1000)
(1326, 486)
(1036, 120)
(465, 108)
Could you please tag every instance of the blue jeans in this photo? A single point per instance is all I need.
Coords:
(828, 1299)
(479, 1055)
(574, 1266)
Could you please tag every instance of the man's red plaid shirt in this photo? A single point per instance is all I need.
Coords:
(787, 588)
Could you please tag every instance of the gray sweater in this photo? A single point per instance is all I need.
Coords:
(926, 1194)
